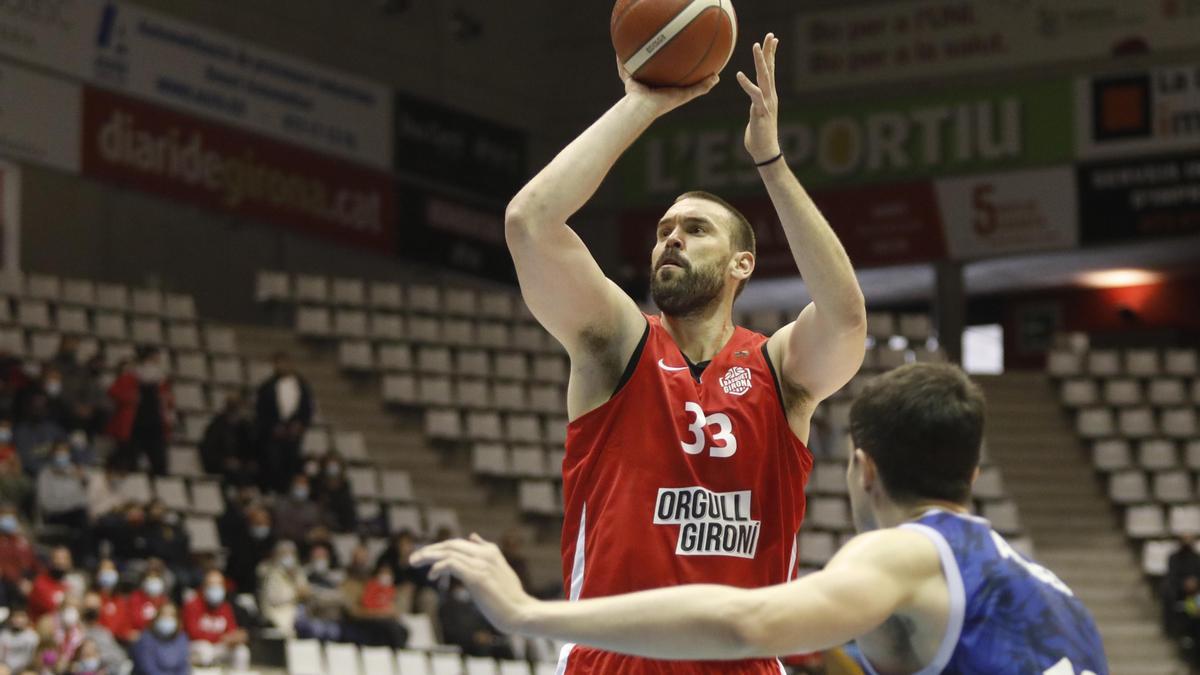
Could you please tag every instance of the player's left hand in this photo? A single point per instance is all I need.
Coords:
(482, 569)
(762, 133)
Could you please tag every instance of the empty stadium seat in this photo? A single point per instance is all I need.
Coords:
(1064, 363)
(351, 323)
(351, 445)
(349, 292)
(916, 327)
(447, 424)
(271, 286)
(460, 302)
(1179, 422)
(400, 389)
(829, 513)
(386, 295)
(148, 301)
(220, 340)
(816, 548)
(395, 486)
(493, 335)
(179, 307)
(191, 366)
(1141, 362)
(1095, 422)
(1167, 392)
(385, 327)
(402, 518)
(510, 397)
(364, 482)
(1180, 362)
(514, 668)
(190, 397)
(1191, 455)
(79, 292)
(314, 321)
(537, 497)
(528, 461)
(135, 488)
(341, 658)
(206, 498)
(424, 329)
(1145, 521)
(112, 296)
(496, 305)
(554, 430)
(183, 336)
(72, 320)
(412, 662)
(490, 459)
(473, 394)
(1157, 454)
(425, 298)
(441, 663)
(43, 346)
(472, 363)
(184, 460)
(228, 370)
(110, 326)
(172, 492)
(1123, 392)
(989, 485)
(420, 632)
(356, 355)
(434, 360)
(881, 325)
(511, 366)
(1155, 554)
(1173, 487)
(12, 340)
(480, 665)
(435, 390)
(379, 661)
(1185, 520)
(304, 657)
(312, 288)
(529, 338)
(1128, 487)
(395, 358)
(1104, 362)
(1137, 422)
(202, 534)
(1003, 516)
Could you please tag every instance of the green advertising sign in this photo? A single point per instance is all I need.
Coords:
(928, 136)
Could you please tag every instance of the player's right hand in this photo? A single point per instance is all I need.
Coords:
(481, 567)
(664, 99)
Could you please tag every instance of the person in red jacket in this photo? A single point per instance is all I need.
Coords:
(145, 602)
(114, 606)
(18, 562)
(49, 589)
(212, 628)
(144, 409)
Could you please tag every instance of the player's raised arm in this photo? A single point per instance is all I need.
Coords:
(866, 583)
(560, 281)
(824, 347)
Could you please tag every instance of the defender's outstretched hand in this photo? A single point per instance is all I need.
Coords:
(762, 133)
(664, 99)
(482, 569)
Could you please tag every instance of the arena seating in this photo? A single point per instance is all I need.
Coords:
(1137, 410)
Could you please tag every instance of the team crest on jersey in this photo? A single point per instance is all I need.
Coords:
(710, 523)
(736, 381)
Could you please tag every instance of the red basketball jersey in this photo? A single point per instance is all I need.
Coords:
(678, 480)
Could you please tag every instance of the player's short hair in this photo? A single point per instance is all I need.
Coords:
(741, 232)
(922, 424)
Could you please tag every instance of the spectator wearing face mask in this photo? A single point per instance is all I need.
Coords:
(324, 605)
(228, 446)
(209, 622)
(18, 562)
(114, 605)
(249, 548)
(88, 661)
(167, 540)
(61, 491)
(50, 588)
(109, 652)
(65, 629)
(18, 641)
(465, 627)
(283, 587)
(144, 409)
(332, 492)
(36, 434)
(149, 598)
(296, 515)
(162, 650)
(82, 393)
(15, 486)
(375, 615)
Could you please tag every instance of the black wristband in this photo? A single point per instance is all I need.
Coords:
(774, 159)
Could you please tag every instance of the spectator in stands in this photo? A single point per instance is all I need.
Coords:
(332, 491)
(512, 545)
(1182, 564)
(51, 384)
(85, 396)
(167, 541)
(284, 411)
(18, 641)
(227, 448)
(284, 587)
(151, 596)
(49, 587)
(36, 434)
(415, 593)
(65, 629)
(87, 660)
(162, 650)
(61, 487)
(296, 515)
(109, 652)
(15, 486)
(114, 605)
(103, 490)
(125, 532)
(144, 410)
(465, 627)
(324, 604)
(18, 563)
(212, 628)
(249, 549)
(375, 614)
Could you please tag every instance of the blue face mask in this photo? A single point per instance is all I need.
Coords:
(62, 460)
(215, 595)
(260, 531)
(9, 524)
(5, 435)
(153, 586)
(107, 578)
(300, 493)
(89, 665)
(165, 625)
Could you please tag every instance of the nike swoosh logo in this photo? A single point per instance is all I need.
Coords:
(673, 369)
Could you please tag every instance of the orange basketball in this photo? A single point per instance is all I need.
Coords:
(673, 43)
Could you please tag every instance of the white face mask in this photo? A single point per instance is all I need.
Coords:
(70, 617)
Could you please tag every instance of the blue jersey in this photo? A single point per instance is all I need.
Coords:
(1007, 614)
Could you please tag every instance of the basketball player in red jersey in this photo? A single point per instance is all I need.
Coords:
(686, 458)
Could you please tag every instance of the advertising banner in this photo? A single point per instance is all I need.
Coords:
(1135, 114)
(124, 47)
(443, 230)
(966, 131)
(458, 150)
(1149, 197)
(39, 118)
(143, 146)
(929, 39)
(1017, 212)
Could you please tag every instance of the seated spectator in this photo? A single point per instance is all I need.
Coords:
(296, 515)
(88, 661)
(49, 587)
(254, 545)
(324, 604)
(18, 641)
(36, 435)
(61, 486)
(465, 627)
(82, 452)
(51, 384)
(18, 563)
(65, 630)
(15, 486)
(109, 652)
(415, 593)
(104, 490)
(162, 650)
(167, 540)
(149, 598)
(1183, 563)
(114, 605)
(228, 448)
(283, 587)
(125, 532)
(332, 491)
(83, 394)
(374, 615)
(212, 629)
(143, 410)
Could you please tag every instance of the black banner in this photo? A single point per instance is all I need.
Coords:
(447, 232)
(1133, 199)
(457, 150)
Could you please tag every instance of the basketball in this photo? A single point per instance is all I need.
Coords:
(673, 43)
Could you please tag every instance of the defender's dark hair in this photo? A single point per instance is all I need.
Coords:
(923, 425)
(741, 235)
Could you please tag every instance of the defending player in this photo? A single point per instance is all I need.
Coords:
(927, 588)
(686, 458)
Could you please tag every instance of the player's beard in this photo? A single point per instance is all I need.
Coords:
(689, 290)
